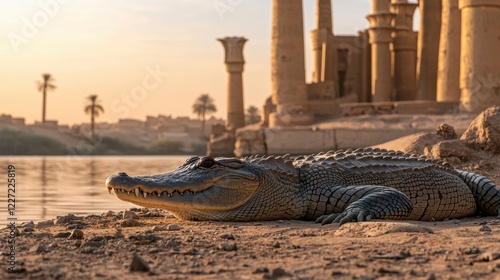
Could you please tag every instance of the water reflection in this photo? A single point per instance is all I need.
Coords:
(52, 186)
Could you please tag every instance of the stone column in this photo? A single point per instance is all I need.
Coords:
(404, 49)
(380, 6)
(448, 85)
(480, 54)
(324, 52)
(380, 38)
(428, 48)
(234, 60)
(289, 92)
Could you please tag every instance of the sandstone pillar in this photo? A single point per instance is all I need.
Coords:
(289, 92)
(324, 52)
(380, 38)
(479, 58)
(428, 48)
(380, 6)
(448, 85)
(404, 49)
(234, 60)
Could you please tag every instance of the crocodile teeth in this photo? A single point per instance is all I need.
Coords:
(137, 192)
(158, 194)
(109, 190)
(129, 192)
(145, 194)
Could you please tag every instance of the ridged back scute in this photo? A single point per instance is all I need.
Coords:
(372, 160)
(282, 165)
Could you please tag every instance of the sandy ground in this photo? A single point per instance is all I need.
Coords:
(174, 249)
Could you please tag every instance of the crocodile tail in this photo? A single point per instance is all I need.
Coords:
(486, 194)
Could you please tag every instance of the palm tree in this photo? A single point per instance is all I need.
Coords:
(252, 115)
(45, 86)
(94, 110)
(203, 106)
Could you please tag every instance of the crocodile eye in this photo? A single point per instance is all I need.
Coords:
(207, 162)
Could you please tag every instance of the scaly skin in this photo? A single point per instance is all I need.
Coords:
(341, 186)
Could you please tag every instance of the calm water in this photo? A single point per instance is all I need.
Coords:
(47, 187)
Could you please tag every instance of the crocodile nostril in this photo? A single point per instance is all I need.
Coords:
(122, 174)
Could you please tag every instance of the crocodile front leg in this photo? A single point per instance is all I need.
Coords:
(368, 202)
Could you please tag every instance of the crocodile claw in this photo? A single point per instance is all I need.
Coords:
(352, 215)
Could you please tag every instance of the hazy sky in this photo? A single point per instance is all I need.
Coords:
(140, 57)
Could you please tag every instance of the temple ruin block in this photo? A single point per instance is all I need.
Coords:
(448, 79)
(234, 61)
(289, 91)
(479, 58)
(428, 48)
(404, 49)
(380, 38)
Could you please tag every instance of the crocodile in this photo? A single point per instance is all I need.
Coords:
(328, 187)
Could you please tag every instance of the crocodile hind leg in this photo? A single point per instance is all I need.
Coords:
(368, 202)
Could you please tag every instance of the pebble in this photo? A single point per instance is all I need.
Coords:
(431, 276)
(484, 228)
(64, 234)
(95, 244)
(67, 219)
(228, 236)
(38, 248)
(76, 234)
(130, 215)
(158, 228)
(261, 269)
(130, 223)
(276, 244)
(30, 224)
(28, 229)
(139, 264)
(228, 247)
(172, 227)
(489, 256)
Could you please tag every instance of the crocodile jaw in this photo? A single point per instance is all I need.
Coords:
(216, 194)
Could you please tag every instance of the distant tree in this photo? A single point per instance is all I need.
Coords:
(204, 106)
(94, 110)
(252, 115)
(45, 86)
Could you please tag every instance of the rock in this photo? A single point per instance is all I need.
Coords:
(279, 272)
(489, 256)
(139, 264)
(130, 215)
(28, 229)
(64, 234)
(470, 250)
(228, 247)
(276, 244)
(76, 234)
(451, 149)
(229, 236)
(158, 228)
(130, 223)
(446, 131)
(45, 224)
(95, 244)
(412, 144)
(172, 227)
(261, 269)
(61, 220)
(484, 228)
(484, 131)
(29, 224)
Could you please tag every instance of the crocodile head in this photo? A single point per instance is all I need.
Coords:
(206, 188)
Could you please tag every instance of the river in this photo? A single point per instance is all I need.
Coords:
(50, 186)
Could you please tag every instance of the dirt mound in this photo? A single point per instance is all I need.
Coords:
(484, 132)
